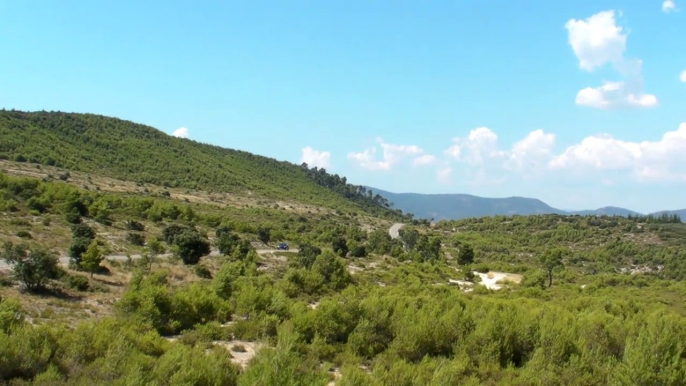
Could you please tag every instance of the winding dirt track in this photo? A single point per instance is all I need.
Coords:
(395, 230)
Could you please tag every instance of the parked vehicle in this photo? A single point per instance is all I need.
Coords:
(283, 247)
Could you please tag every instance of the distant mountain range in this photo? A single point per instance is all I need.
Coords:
(458, 206)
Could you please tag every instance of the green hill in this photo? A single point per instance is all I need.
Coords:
(125, 150)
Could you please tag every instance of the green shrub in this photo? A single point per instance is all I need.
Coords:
(190, 246)
(534, 278)
(78, 283)
(135, 238)
(358, 251)
(73, 218)
(24, 235)
(77, 248)
(11, 315)
(34, 267)
(202, 272)
(82, 231)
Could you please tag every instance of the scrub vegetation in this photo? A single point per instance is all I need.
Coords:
(125, 281)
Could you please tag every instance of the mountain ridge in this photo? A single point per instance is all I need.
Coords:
(455, 206)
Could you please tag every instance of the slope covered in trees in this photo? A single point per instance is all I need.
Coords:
(128, 151)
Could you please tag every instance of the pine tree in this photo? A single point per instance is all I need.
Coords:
(91, 259)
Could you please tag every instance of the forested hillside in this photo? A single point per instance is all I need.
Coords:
(121, 149)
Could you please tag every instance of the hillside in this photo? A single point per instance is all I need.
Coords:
(460, 206)
(125, 150)
(407, 311)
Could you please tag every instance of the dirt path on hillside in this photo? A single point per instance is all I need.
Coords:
(395, 230)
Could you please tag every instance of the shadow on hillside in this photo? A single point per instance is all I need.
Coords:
(111, 283)
(53, 292)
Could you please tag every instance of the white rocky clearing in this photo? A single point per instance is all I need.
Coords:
(491, 280)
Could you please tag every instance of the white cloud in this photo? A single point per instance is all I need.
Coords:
(320, 159)
(480, 144)
(658, 160)
(682, 77)
(597, 41)
(426, 159)
(614, 95)
(488, 164)
(479, 162)
(668, 6)
(531, 155)
(392, 155)
(181, 132)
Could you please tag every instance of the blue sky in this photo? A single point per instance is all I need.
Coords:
(578, 103)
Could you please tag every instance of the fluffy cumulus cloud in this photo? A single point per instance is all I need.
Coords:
(647, 161)
(479, 161)
(391, 155)
(668, 6)
(478, 146)
(530, 155)
(598, 41)
(487, 164)
(320, 159)
(181, 132)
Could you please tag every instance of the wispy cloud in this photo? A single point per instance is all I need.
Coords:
(668, 6)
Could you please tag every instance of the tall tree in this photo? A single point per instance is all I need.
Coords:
(551, 260)
(466, 255)
(264, 234)
(409, 237)
(91, 259)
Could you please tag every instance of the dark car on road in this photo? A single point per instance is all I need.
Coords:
(282, 246)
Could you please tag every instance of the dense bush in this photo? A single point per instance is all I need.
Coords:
(33, 267)
(78, 283)
(135, 238)
(358, 251)
(190, 246)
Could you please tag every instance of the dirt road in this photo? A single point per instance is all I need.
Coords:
(395, 230)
